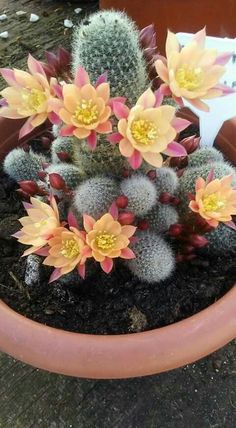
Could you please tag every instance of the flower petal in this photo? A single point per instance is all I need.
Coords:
(101, 79)
(26, 128)
(92, 140)
(114, 138)
(147, 99)
(67, 131)
(35, 66)
(55, 275)
(180, 124)
(127, 253)
(135, 160)
(107, 265)
(81, 77)
(154, 159)
(126, 148)
(88, 222)
(175, 149)
(120, 110)
(104, 128)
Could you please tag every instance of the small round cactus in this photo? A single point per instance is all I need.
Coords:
(141, 194)
(99, 45)
(221, 240)
(161, 217)
(95, 196)
(70, 173)
(62, 144)
(205, 155)
(21, 165)
(154, 260)
(166, 181)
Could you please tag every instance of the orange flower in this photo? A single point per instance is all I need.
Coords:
(147, 130)
(215, 201)
(67, 251)
(107, 240)
(39, 225)
(84, 108)
(28, 95)
(192, 72)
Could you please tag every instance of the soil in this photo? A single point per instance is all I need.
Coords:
(105, 304)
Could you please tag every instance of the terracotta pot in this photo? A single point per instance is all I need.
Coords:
(225, 140)
(119, 356)
(179, 16)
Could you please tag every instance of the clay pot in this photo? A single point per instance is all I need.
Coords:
(179, 16)
(118, 356)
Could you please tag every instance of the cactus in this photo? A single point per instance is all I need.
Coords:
(166, 181)
(106, 159)
(21, 165)
(141, 194)
(161, 217)
(109, 41)
(205, 155)
(154, 260)
(62, 144)
(95, 196)
(70, 173)
(56, 130)
(221, 240)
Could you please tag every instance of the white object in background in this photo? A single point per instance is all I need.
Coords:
(4, 35)
(21, 13)
(222, 108)
(34, 17)
(68, 23)
(3, 17)
(78, 10)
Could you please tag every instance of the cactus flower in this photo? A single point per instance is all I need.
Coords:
(193, 72)
(38, 225)
(107, 240)
(67, 251)
(147, 130)
(84, 108)
(215, 200)
(28, 95)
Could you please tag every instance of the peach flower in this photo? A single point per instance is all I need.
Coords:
(215, 200)
(39, 225)
(192, 72)
(28, 95)
(107, 240)
(84, 108)
(147, 130)
(67, 251)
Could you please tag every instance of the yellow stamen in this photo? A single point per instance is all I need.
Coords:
(105, 241)
(70, 248)
(86, 112)
(189, 78)
(33, 99)
(144, 131)
(213, 203)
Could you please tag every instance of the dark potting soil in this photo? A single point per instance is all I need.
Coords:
(105, 304)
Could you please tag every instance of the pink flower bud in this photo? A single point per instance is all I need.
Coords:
(143, 225)
(126, 217)
(165, 198)
(122, 201)
(42, 175)
(56, 181)
(63, 156)
(198, 241)
(152, 174)
(175, 229)
(29, 187)
(175, 201)
(46, 143)
(190, 143)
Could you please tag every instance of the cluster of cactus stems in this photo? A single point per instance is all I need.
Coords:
(93, 179)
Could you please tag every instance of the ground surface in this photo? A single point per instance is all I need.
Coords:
(199, 395)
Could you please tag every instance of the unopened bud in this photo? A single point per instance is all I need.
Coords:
(56, 181)
(122, 201)
(126, 217)
(165, 198)
(198, 241)
(143, 225)
(29, 187)
(152, 174)
(175, 229)
(63, 156)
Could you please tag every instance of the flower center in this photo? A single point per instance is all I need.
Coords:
(32, 99)
(213, 203)
(86, 112)
(189, 78)
(144, 131)
(105, 241)
(70, 248)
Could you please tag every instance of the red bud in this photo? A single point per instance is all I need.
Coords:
(45, 165)
(143, 225)
(175, 201)
(42, 175)
(198, 241)
(165, 198)
(52, 59)
(146, 35)
(190, 143)
(152, 174)
(26, 147)
(63, 156)
(188, 249)
(64, 58)
(46, 143)
(126, 217)
(29, 187)
(23, 194)
(56, 181)
(122, 201)
(175, 229)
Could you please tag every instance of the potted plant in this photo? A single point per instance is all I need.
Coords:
(104, 194)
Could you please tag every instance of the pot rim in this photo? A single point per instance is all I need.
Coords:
(118, 356)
